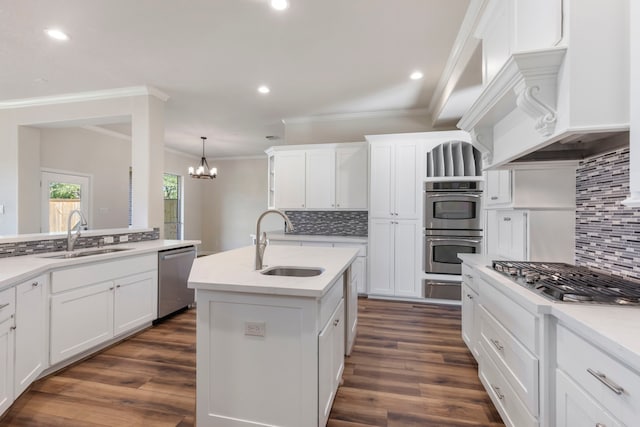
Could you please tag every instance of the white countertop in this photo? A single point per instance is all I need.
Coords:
(281, 235)
(612, 328)
(234, 270)
(15, 269)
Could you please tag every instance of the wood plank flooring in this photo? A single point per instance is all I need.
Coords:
(409, 368)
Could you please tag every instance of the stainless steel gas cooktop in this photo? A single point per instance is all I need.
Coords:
(568, 283)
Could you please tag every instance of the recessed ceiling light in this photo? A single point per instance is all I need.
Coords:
(54, 33)
(280, 4)
(416, 75)
(264, 89)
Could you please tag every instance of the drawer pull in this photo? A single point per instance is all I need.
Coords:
(469, 296)
(506, 218)
(606, 381)
(494, 197)
(498, 393)
(497, 344)
(4, 305)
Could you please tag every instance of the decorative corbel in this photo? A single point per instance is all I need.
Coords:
(544, 115)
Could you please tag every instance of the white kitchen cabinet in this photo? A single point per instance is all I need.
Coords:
(93, 303)
(512, 234)
(330, 362)
(596, 376)
(576, 408)
(31, 337)
(318, 176)
(394, 184)
(7, 343)
(351, 177)
(393, 249)
(320, 179)
(498, 187)
(470, 313)
(80, 319)
(289, 180)
(135, 301)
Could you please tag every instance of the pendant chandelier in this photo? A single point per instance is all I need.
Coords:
(203, 171)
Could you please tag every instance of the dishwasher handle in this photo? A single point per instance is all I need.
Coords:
(176, 253)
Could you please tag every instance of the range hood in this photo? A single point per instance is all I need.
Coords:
(552, 89)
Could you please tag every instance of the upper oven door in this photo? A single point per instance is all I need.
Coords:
(460, 211)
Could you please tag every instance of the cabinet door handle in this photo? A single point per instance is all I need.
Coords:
(506, 218)
(13, 328)
(494, 197)
(606, 381)
(111, 288)
(35, 284)
(468, 276)
(117, 286)
(469, 296)
(600, 425)
(496, 344)
(498, 392)
(4, 305)
(302, 205)
(335, 322)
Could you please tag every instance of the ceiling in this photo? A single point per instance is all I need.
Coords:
(319, 57)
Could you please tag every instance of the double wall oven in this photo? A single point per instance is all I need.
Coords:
(453, 225)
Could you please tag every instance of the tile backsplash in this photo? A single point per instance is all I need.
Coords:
(607, 232)
(329, 223)
(32, 247)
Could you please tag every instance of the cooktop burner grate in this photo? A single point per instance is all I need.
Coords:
(565, 282)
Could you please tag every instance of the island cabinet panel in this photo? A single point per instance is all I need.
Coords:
(268, 360)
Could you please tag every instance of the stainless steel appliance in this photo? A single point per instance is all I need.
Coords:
(174, 266)
(568, 283)
(453, 205)
(441, 249)
(442, 289)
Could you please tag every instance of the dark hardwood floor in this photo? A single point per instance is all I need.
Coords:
(409, 368)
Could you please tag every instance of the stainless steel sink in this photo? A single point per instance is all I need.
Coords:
(85, 253)
(293, 271)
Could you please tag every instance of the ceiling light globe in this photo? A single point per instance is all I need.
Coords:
(56, 34)
(416, 75)
(264, 89)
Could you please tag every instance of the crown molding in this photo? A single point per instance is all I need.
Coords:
(85, 96)
(355, 116)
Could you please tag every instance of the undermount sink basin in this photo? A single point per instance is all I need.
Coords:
(293, 271)
(85, 253)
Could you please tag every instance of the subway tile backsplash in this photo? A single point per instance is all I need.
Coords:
(60, 244)
(329, 223)
(607, 232)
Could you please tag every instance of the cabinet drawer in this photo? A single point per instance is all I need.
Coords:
(513, 411)
(520, 322)
(7, 303)
(87, 274)
(518, 365)
(585, 362)
(468, 275)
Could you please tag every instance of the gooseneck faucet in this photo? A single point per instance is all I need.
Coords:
(71, 239)
(261, 239)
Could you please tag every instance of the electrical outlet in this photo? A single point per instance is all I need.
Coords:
(124, 238)
(255, 329)
(108, 239)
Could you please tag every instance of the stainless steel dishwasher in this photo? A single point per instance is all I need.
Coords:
(174, 266)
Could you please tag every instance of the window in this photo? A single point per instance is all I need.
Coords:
(172, 186)
(62, 192)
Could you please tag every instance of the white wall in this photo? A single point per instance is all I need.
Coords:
(106, 158)
(233, 202)
(353, 128)
(29, 179)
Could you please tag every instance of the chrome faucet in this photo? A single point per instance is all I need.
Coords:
(261, 239)
(71, 239)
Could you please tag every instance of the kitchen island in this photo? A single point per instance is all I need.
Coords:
(270, 349)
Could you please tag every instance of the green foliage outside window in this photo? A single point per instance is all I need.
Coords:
(170, 187)
(59, 190)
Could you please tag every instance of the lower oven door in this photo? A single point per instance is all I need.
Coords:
(440, 289)
(441, 253)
